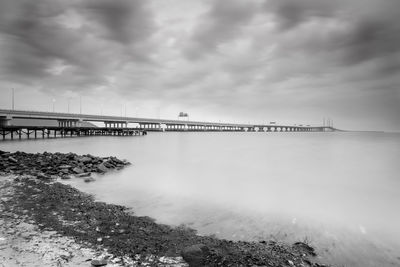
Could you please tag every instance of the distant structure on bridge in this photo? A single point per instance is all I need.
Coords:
(73, 124)
(183, 115)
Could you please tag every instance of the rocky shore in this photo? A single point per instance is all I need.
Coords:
(57, 225)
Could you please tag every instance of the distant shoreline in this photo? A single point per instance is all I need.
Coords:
(110, 232)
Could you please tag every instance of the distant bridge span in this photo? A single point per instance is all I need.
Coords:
(71, 120)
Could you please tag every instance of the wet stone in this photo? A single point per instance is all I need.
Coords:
(64, 167)
(77, 170)
(99, 262)
(89, 179)
(85, 174)
(102, 168)
(84, 159)
(12, 159)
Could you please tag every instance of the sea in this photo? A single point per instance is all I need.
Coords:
(337, 191)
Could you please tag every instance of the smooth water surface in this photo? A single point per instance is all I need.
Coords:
(338, 191)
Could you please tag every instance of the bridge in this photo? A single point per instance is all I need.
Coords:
(118, 125)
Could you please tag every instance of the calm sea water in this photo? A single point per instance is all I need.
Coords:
(338, 191)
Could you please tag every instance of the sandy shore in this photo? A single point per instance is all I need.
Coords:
(46, 223)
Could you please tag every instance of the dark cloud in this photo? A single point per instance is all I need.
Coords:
(41, 36)
(370, 39)
(224, 21)
(291, 13)
(125, 21)
(369, 29)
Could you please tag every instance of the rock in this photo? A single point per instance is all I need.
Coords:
(102, 168)
(42, 176)
(66, 177)
(2, 152)
(64, 171)
(77, 170)
(64, 166)
(84, 159)
(12, 159)
(195, 255)
(84, 174)
(89, 179)
(108, 164)
(99, 262)
(306, 248)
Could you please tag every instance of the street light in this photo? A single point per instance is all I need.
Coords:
(53, 103)
(13, 98)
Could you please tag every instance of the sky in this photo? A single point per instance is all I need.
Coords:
(257, 61)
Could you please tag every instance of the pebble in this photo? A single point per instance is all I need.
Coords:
(89, 179)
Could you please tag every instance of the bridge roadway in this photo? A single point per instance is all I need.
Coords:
(71, 120)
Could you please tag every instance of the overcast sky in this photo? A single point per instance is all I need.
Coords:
(290, 61)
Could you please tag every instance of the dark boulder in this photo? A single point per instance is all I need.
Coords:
(195, 255)
(99, 262)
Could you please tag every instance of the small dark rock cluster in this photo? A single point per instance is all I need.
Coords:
(49, 166)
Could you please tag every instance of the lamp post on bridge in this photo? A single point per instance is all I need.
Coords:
(54, 101)
(69, 100)
(13, 93)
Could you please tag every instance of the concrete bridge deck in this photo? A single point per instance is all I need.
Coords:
(74, 121)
